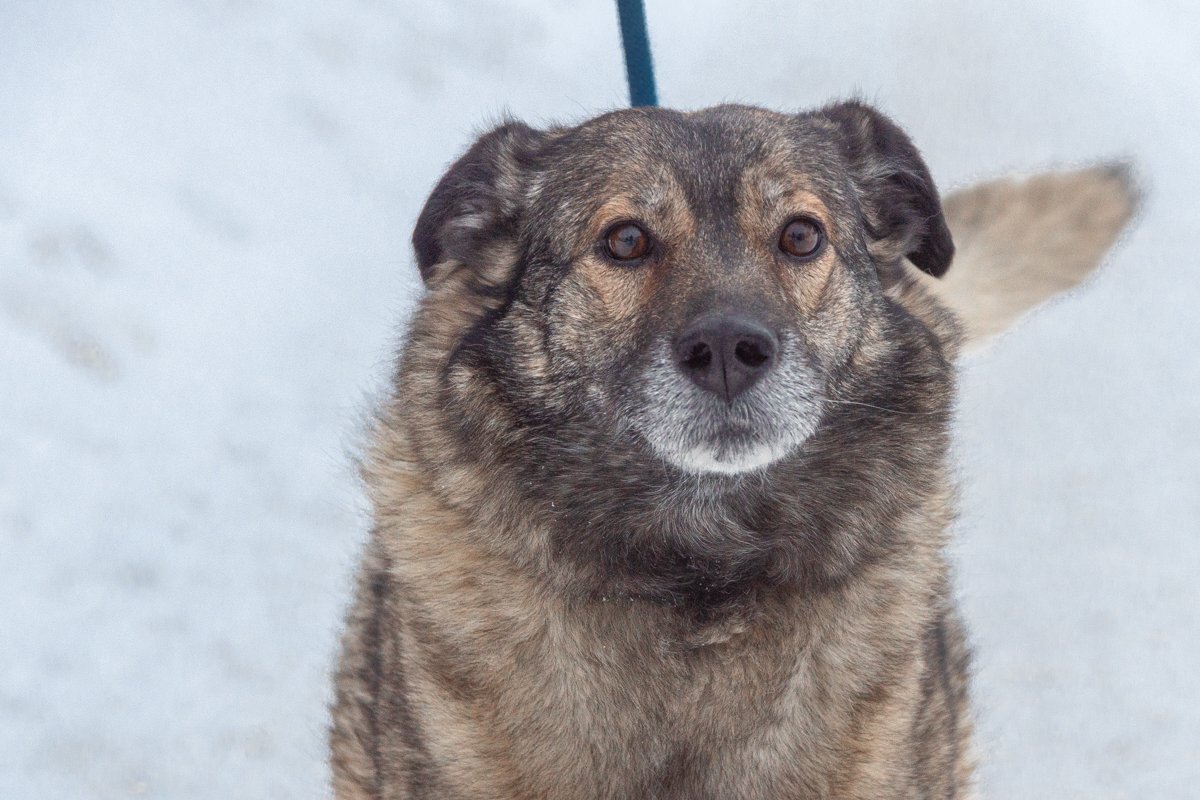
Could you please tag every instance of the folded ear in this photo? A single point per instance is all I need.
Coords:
(900, 204)
(1026, 240)
(477, 202)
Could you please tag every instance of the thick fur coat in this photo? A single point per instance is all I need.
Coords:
(593, 575)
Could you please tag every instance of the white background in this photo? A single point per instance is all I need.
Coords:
(204, 263)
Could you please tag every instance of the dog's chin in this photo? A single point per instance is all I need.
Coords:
(728, 454)
(717, 459)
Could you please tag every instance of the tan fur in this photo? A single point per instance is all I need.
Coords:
(1023, 240)
(560, 693)
(481, 662)
(525, 694)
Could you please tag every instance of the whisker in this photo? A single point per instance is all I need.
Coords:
(880, 408)
(831, 378)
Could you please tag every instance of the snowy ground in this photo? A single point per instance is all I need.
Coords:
(204, 213)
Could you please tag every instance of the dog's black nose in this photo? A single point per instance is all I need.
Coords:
(725, 354)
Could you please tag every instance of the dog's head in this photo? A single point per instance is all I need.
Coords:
(690, 287)
(697, 353)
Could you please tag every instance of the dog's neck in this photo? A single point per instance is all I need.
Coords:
(714, 546)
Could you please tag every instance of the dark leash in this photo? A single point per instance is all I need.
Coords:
(635, 40)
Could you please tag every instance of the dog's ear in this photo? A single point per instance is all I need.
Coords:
(900, 204)
(477, 202)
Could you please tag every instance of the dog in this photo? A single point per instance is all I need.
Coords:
(661, 489)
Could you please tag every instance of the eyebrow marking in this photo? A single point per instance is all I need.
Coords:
(652, 197)
(773, 189)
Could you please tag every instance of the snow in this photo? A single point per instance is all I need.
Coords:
(204, 264)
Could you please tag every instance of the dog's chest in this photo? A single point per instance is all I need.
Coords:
(740, 718)
(565, 699)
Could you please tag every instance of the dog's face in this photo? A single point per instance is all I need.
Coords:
(683, 287)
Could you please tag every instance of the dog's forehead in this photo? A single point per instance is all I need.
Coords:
(706, 153)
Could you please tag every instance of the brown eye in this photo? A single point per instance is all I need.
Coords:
(802, 238)
(626, 242)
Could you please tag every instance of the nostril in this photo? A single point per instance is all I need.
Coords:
(751, 353)
(699, 356)
(725, 354)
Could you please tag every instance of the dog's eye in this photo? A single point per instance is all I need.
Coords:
(626, 242)
(802, 238)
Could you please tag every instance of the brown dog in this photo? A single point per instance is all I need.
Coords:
(661, 491)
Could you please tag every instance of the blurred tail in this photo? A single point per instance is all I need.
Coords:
(1021, 241)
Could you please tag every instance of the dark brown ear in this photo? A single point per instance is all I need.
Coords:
(478, 201)
(900, 204)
